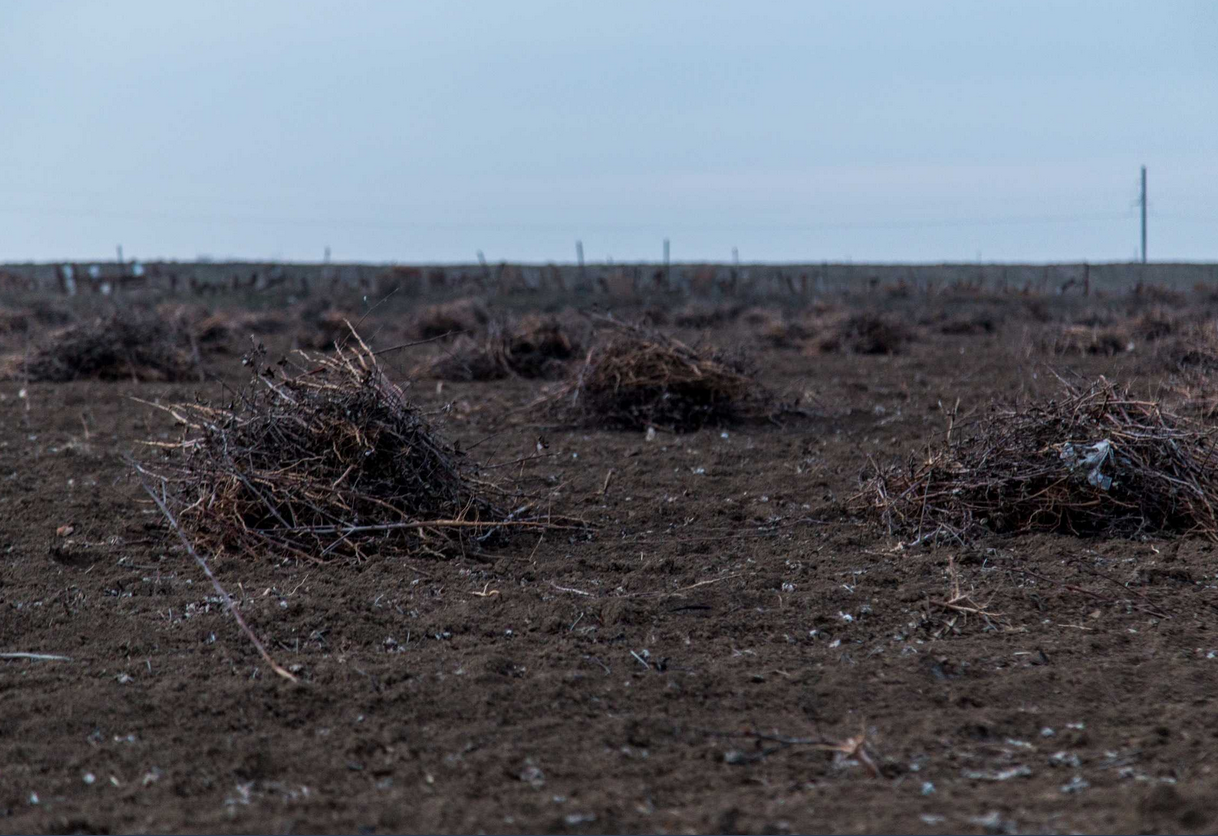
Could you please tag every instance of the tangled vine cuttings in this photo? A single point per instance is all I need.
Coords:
(641, 378)
(323, 461)
(1096, 461)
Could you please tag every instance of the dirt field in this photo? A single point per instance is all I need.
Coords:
(684, 664)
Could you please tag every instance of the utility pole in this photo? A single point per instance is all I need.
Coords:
(1143, 201)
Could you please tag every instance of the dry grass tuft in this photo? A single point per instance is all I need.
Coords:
(1094, 462)
(641, 379)
(534, 348)
(323, 462)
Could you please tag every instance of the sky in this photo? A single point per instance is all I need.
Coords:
(429, 131)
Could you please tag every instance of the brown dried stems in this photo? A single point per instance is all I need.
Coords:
(641, 379)
(325, 462)
(1095, 462)
(120, 346)
(532, 348)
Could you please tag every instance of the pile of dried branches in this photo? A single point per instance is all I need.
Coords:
(1096, 461)
(1085, 339)
(867, 333)
(455, 317)
(324, 328)
(320, 462)
(14, 321)
(534, 348)
(120, 346)
(1193, 347)
(703, 315)
(641, 379)
(207, 331)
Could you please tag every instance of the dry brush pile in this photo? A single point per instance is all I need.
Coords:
(327, 461)
(120, 346)
(455, 317)
(640, 378)
(534, 348)
(865, 333)
(1096, 461)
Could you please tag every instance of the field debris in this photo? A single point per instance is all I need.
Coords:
(324, 328)
(325, 461)
(867, 333)
(958, 606)
(704, 315)
(535, 347)
(1193, 348)
(119, 346)
(852, 751)
(455, 317)
(1096, 461)
(1085, 339)
(642, 379)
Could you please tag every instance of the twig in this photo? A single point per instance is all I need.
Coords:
(573, 591)
(43, 657)
(220, 590)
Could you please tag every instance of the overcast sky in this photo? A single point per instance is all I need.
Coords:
(795, 131)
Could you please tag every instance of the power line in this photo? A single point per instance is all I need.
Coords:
(547, 226)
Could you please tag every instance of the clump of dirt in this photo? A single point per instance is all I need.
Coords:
(120, 346)
(327, 461)
(868, 333)
(533, 348)
(640, 379)
(458, 316)
(1095, 462)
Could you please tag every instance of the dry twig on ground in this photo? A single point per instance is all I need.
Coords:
(332, 461)
(957, 606)
(160, 501)
(1096, 461)
(857, 749)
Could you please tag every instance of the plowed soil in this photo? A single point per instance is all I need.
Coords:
(686, 663)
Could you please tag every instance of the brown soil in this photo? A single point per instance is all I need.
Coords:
(639, 676)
